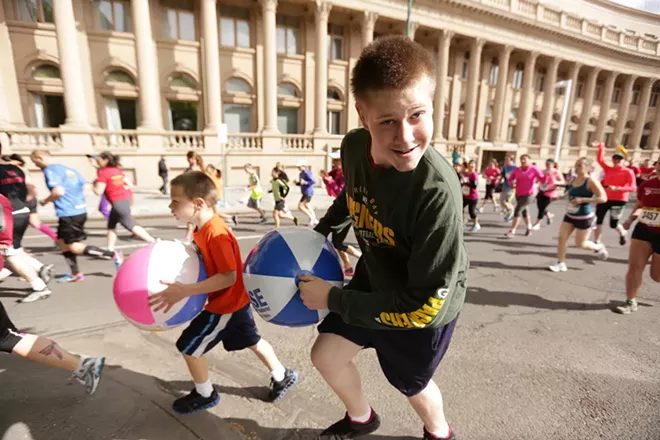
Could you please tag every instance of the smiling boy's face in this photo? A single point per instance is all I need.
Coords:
(400, 123)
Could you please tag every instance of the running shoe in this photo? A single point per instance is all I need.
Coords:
(510, 234)
(295, 221)
(235, 220)
(195, 402)
(559, 267)
(528, 232)
(623, 240)
(46, 273)
(429, 436)
(349, 272)
(481, 210)
(36, 295)
(71, 278)
(475, 228)
(602, 253)
(263, 221)
(347, 429)
(278, 389)
(509, 217)
(536, 227)
(4, 274)
(118, 258)
(548, 218)
(91, 374)
(627, 307)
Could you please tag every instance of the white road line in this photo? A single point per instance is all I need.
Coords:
(90, 231)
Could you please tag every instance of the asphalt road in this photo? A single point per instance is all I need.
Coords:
(535, 355)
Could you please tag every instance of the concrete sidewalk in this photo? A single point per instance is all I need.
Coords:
(150, 203)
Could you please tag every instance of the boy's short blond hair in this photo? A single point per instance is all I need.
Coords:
(196, 184)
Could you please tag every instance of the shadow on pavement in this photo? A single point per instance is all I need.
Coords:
(505, 266)
(481, 296)
(180, 387)
(502, 241)
(585, 256)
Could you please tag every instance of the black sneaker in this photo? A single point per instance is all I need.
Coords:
(279, 389)
(195, 402)
(295, 221)
(429, 436)
(235, 220)
(622, 240)
(347, 429)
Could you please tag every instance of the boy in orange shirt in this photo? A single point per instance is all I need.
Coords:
(227, 316)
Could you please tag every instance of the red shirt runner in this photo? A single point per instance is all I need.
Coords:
(115, 183)
(648, 196)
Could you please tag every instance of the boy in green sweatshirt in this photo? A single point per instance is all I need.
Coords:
(406, 207)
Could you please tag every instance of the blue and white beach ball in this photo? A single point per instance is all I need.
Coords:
(271, 271)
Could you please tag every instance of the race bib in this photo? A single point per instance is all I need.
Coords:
(616, 213)
(467, 190)
(650, 217)
(572, 209)
(543, 187)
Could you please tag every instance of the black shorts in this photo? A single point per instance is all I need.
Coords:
(121, 214)
(236, 331)
(305, 198)
(9, 336)
(32, 204)
(642, 232)
(72, 229)
(490, 188)
(280, 205)
(21, 223)
(339, 237)
(579, 223)
(408, 358)
(617, 212)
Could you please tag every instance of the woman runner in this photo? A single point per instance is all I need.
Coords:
(547, 193)
(582, 192)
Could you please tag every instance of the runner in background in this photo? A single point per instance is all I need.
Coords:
(547, 193)
(492, 175)
(195, 163)
(646, 171)
(523, 179)
(256, 192)
(618, 181)
(216, 176)
(469, 184)
(507, 195)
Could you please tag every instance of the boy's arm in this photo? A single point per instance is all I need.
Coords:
(436, 272)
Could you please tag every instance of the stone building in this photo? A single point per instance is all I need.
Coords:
(144, 78)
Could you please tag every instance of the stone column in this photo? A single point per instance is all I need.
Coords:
(624, 106)
(548, 102)
(270, 64)
(483, 97)
(587, 104)
(504, 57)
(74, 93)
(473, 82)
(655, 132)
(605, 103)
(444, 41)
(368, 24)
(642, 109)
(321, 66)
(573, 76)
(212, 98)
(455, 96)
(527, 99)
(150, 113)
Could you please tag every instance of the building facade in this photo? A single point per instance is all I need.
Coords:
(145, 78)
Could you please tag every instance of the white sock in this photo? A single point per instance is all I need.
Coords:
(361, 419)
(204, 389)
(278, 373)
(4, 273)
(36, 264)
(441, 434)
(38, 284)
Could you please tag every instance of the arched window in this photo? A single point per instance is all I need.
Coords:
(333, 94)
(335, 111)
(119, 77)
(575, 119)
(238, 106)
(288, 108)
(648, 125)
(611, 123)
(556, 117)
(183, 81)
(630, 124)
(46, 71)
(593, 121)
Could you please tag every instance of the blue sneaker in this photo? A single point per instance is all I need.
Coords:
(195, 402)
(71, 278)
(475, 228)
(118, 258)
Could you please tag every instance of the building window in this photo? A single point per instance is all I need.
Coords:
(46, 71)
(518, 76)
(580, 89)
(119, 77)
(335, 110)
(494, 72)
(533, 132)
(624, 139)
(616, 95)
(234, 27)
(113, 15)
(590, 137)
(487, 130)
(561, 91)
(607, 138)
(183, 115)
(287, 90)
(554, 132)
(599, 90)
(511, 133)
(644, 141)
(183, 81)
(179, 24)
(540, 79)
(289, 103)
(634, 99)
(49, 110)
(335, 42)
(653, 101)
(287, 120)
(288, 35)
(121, 114)
(466, 66)
(238, 118)
(572, 138)
(40, 11)
(237, 85)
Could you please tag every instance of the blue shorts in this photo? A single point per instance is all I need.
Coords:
(408, 358)
(236, 331)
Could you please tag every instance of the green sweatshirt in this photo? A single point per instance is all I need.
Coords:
(276, 184)
(413, 270)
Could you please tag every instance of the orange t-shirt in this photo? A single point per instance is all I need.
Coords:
(220, 253)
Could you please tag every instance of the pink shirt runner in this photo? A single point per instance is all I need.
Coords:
(470, 193)
(524, 180)
(492, 175)
(547, 184)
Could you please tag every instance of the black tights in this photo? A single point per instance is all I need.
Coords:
(542, 203)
